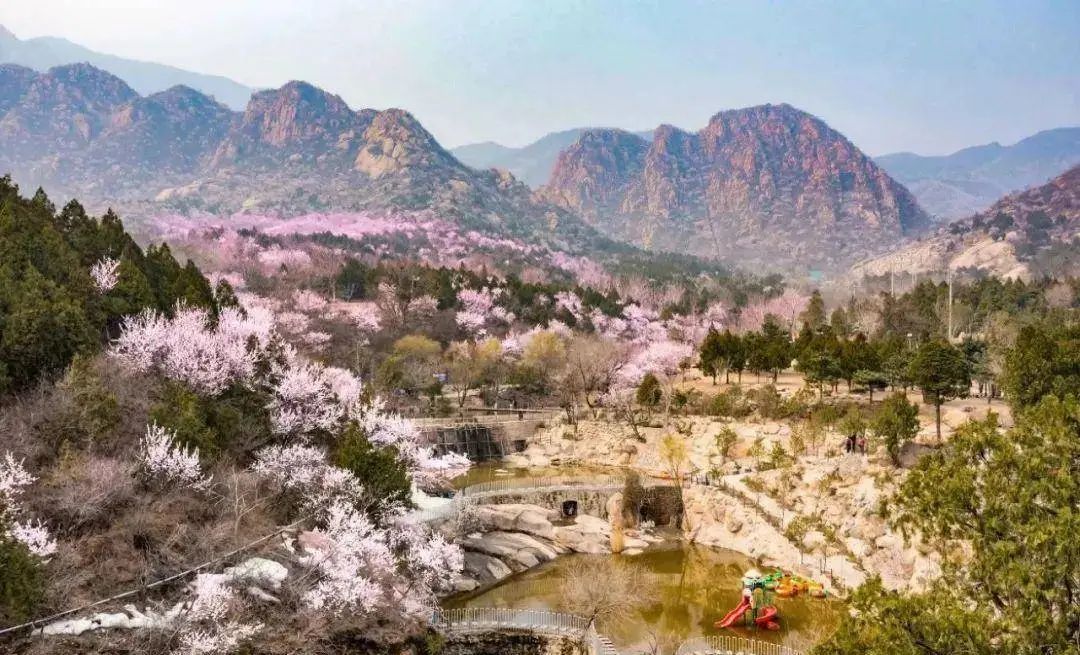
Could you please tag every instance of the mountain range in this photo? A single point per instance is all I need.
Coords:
(970, 180)
(1024, 235)
(79, 131)
(43, 53)
(768, 187)
(947, 186)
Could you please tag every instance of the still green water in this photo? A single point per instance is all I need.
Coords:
(691, 587)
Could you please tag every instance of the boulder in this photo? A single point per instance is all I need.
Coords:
(485, 568)
(865, 495)
(535, 523)
(858, 547)
(520, 551)
(924, 571)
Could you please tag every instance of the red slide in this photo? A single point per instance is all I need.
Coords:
(767, 619)
(736, 614)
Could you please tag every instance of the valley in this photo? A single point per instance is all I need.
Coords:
(282, 373)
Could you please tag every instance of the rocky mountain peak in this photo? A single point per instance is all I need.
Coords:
(395, 141)
(296, 112)
(751, 180)
(66, 106)
(83, 86)
(6, 34)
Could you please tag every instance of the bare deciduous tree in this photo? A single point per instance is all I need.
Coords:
(600, 589)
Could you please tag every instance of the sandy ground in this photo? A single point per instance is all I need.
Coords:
(790, 382)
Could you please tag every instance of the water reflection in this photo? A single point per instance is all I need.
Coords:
(691, 587)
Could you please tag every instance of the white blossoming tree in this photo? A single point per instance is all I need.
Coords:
(106, 274)
(33, 534)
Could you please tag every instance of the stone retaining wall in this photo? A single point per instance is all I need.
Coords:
(508, 642)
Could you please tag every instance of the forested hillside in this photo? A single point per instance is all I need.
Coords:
(67, 279)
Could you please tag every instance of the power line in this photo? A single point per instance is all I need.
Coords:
(156, 583)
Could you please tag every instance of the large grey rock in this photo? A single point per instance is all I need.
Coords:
(485, 568)
(532, 519)
(519, 551)
(588, 534)
(536, 523)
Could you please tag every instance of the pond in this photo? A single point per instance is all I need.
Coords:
(691, 587)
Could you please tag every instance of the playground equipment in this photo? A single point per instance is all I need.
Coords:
(789, 586)
(756, 603)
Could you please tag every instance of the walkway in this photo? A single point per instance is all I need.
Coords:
(486, 491)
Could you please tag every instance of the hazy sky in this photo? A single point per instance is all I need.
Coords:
(927, 77)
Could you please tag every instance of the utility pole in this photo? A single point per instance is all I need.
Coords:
(949, 336)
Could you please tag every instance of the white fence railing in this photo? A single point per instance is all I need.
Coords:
(732, 645)
(489, 418)
(516, 485)
(478, 619)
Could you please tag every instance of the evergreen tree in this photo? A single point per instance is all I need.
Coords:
(895, 424)
(1008, 528)
(941, 372)
(710, 355)
(813, 316)
(1041, 362)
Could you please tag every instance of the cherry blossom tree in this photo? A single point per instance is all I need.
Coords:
(162, 461)
(105, 273)
(187, 349)
(14, 479)
(479, 312)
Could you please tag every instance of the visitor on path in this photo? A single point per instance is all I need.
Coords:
(862, 444)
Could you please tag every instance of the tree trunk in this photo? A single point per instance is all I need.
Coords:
(937, 418)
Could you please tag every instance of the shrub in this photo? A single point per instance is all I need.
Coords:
(97, 408)
(21, 581)
(778, 456)
(649, 393)
(730, 403)
(725, 439)
(383, 474)
(85, 492)
(770, 404)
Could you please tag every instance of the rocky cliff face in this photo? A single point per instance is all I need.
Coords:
(757, 185)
